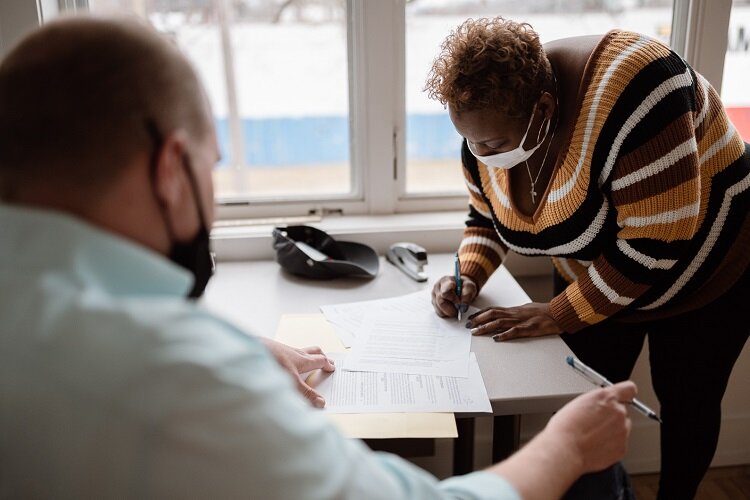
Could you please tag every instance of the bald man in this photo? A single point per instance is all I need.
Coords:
(113, 383)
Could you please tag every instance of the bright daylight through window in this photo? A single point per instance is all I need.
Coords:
(277, 78)
(737, 68)
(282, 74)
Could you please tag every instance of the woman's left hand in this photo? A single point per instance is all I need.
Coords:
(529, 320)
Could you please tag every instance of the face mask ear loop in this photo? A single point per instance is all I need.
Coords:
(156, 138)
(198, 205)
(541, 127)
(528, 127)
(194, 187)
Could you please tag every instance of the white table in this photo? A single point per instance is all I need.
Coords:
(521, 377)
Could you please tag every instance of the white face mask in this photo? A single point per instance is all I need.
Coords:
(510, 159)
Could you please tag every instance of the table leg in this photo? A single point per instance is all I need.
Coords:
(463, 447)
(506, 433)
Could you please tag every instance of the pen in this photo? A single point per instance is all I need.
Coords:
(594, 377)
(459, 286)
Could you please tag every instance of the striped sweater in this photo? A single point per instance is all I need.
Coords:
(646, 214)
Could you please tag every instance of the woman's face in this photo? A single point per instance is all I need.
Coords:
(491, 132)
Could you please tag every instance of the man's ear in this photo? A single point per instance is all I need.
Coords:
(169, 174)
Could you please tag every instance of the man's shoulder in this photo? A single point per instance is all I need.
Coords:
(172, 329)
(104, 344)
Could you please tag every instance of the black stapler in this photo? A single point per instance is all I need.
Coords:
(410, 258)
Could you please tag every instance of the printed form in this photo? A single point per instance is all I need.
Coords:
(349, 318)
(380, 392)
(414, 342)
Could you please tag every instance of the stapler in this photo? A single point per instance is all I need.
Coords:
(410, 258)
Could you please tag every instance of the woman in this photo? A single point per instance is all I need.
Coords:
(612, 156)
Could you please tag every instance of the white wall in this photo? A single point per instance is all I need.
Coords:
(16, 19)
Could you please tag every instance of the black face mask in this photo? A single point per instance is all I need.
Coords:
(194, 255)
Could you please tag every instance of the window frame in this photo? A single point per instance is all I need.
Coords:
(376, 39)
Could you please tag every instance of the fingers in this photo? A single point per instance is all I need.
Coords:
(468, 291)
(491, 320)
(624, 391)
(485, 315)
(313, 358)
(517, 332)
(310, 394)
(493, 327)
(447, 286)
(444, 308)
(444, 297)
(313, 349)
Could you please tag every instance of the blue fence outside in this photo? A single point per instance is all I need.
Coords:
(275, 142)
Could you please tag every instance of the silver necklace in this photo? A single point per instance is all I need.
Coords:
(532, 179)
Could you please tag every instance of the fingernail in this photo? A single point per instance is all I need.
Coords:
(319, 402)
(331, 361)
(498, 337)
(475, 331)
(468, 324)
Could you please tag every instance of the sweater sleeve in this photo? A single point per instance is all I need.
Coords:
(652, 179)
(481, 251)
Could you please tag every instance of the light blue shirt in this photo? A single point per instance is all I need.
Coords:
(112, 385)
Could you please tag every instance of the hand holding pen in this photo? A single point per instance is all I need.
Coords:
(596, 378)
(448, 300)
(460, 307)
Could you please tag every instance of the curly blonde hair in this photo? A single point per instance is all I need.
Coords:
(490, 63)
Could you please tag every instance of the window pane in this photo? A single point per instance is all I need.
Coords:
(432, 145)
(276, 74)
(737, 68)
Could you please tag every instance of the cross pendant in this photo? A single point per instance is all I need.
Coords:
(533, 194)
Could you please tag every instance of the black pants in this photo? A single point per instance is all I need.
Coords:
(691, 357)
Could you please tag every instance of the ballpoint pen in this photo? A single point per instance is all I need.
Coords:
(596, 378)
(459, 287)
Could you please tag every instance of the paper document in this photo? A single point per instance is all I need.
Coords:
(302, 330)
(416, 343)
(349, 317)
(375, 392)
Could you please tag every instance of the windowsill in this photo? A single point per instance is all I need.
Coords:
(437, 232)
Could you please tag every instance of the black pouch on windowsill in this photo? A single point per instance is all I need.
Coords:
(310, 252)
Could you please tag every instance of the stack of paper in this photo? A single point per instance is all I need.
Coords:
(403, 358)
(303, 330)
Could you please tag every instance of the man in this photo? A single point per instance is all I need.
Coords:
(112, 383)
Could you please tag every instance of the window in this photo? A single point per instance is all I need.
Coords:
(319, 103)
(277, 78)
(737, 68)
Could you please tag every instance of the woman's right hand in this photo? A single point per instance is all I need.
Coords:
(444, 298)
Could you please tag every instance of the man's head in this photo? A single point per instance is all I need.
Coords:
(76, 94)
(106, 119)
